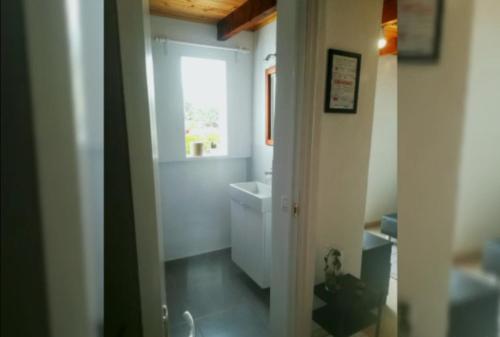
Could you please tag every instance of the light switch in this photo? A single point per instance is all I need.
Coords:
(285, 203)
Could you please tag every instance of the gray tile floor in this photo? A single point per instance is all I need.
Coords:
(223, 300)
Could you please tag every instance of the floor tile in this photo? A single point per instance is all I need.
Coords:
(182, 330)
(241, 321)
(211, 287)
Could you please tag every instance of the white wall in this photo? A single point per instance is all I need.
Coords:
(344, 139)
(431, 109)
(195, 205)
(381, 195)
(262, 154)
(197, 33)
(194, 192)
(479, 192)
(449, 185)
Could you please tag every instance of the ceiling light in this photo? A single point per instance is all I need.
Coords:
(382, 42)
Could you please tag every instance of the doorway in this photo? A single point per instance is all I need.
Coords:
(134, 22)
(213, 123)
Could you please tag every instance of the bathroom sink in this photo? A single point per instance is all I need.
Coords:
(252, 194)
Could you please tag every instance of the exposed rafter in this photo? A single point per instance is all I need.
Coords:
(249, 15)
(390, 27)
(390, 11)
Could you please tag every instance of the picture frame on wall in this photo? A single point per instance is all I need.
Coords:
(270, 104)
(342, 81)
(419, 25)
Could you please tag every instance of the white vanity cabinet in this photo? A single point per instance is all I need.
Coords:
(251, 230)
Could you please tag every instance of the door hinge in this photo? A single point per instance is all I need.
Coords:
(295, 209)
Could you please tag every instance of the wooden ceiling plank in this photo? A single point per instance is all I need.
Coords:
(203, 5)
(195, 10)
(183, 16)
(245, 17)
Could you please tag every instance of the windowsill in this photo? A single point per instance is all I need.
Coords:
(207, 157)
(204, 158)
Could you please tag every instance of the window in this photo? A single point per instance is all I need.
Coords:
(205, 106)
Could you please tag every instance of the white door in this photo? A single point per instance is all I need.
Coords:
(136, 62)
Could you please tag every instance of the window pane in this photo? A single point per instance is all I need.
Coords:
(205, 106)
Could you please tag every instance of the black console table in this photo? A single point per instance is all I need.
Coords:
(351, 308)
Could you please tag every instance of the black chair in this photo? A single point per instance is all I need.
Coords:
(389, 225)
(491, 257)
(473, 309)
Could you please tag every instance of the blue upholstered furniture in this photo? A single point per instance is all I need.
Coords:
(473, 308)
(389, 225)
(491, 257)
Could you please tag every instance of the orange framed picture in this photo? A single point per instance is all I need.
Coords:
(270, 103)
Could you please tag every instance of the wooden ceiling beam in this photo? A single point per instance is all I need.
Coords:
(248, 15)
(390, 11)
(390, 27)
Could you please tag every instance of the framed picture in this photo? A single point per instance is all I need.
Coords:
(270, 103)
(342, 81)
(419, 35)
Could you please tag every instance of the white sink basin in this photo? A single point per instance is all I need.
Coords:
(252, 194)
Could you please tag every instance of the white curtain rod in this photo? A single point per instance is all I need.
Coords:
(165, 39)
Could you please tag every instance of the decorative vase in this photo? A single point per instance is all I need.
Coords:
(333, 269)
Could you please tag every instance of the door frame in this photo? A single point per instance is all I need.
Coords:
(24, 301)
(300, 25)
(292, 276)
